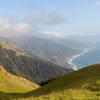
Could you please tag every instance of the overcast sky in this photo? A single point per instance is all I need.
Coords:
(49, 17)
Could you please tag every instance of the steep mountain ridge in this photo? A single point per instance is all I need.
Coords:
(30, 67)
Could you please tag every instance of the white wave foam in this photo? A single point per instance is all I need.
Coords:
(76, 56)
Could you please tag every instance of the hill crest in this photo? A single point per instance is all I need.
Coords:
(11, 46)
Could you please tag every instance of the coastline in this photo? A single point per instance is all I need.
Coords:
(70, 59)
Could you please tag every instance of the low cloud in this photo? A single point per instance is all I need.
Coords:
(54, 34)
(32, 25)
(10, 28)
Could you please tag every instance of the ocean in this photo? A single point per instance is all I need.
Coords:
(92, 56)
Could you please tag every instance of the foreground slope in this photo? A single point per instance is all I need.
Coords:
(86, 78)
(83, 84)
(12, 84)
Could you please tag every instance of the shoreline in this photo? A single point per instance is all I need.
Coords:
(70, 59)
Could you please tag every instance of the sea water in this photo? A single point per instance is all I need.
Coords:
(88, 58)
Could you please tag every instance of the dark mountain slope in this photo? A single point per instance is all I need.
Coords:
(32, 68)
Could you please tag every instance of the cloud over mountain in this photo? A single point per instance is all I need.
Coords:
(34, 22)
(11, 27)
(30, 25)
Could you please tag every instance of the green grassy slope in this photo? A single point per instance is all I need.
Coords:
(86, 78)
(12, 84)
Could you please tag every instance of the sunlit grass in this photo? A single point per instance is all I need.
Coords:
(13, 84)
(71, 94)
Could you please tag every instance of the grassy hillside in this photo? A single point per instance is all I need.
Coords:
(86, 78)
(83, 84)
(12, 84)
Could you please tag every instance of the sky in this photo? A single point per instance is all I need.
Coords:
(57, 18)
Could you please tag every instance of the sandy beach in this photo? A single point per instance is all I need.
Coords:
(70, 59)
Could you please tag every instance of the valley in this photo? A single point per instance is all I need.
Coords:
(49, 50)
(27, 77)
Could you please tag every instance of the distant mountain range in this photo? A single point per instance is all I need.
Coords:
(55, 51)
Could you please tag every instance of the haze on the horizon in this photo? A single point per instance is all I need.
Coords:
(56, 18)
